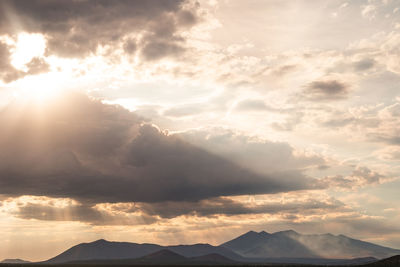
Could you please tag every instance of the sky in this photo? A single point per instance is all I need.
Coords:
(181, 122)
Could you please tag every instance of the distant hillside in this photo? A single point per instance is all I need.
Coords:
(162, 257)
(102, 249)
(290, 244)
(252, 247)
(14, 261)
(105, 250)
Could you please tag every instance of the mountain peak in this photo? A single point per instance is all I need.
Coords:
(100, 242)
(251, 232)
(287, 232)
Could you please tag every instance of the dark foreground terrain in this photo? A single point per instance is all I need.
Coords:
(392, 261)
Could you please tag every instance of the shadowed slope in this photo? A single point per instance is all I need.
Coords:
(102, 249)
(163, 256)
(264, 245)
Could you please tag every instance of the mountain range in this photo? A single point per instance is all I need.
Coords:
(294, 245)
(105, 250)
(251, 247)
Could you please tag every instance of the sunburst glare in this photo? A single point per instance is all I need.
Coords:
(26, 48)
(39, 88)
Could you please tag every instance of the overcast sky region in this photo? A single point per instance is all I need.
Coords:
(180, 121)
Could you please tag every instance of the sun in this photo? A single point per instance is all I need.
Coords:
(26, 47)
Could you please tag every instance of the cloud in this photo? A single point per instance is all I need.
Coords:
(184, 110)
(230, 207)
(37, 65)
(50, 209)
(78, 28)
(364, 64)
(369, 11)
(160, 49)
(252, 105)
(80, 148)
(326, 90)
(80, 213)
(130, 46)
(259, 155)
(360, 177)
(7, 72)
(292, 120)
(389, 153)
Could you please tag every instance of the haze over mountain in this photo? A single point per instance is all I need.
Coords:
(284, 246)
(284, 243)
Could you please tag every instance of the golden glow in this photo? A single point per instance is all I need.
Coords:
(39, 88)
(26, 48)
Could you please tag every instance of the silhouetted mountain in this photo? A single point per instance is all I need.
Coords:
(264, 245)
(252, 247)
(102, 249)
(14, 261)
(290, 244)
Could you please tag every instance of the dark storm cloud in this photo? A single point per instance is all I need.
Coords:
(326, 90)
(77, 28)
(52, 213)
(152, 212)
(95, 153)
(224, 206)
(130, 46)
(159, 49)
(79, 213)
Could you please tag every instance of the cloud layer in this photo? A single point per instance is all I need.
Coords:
(77, 29)
(93, 152)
